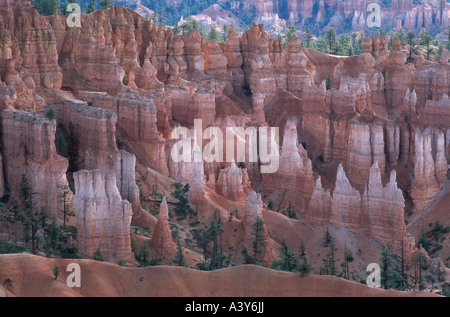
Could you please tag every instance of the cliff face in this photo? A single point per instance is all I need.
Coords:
(28, 54)
(103, 218)
(378, 212)
(28, 148)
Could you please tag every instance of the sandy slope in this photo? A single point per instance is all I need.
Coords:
(32, 276)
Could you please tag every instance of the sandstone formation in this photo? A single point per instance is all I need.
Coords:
(378, 212)
(365, 154)
(162, 242)
(28, 148)
(103, 218)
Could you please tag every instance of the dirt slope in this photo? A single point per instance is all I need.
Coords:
(32, 276)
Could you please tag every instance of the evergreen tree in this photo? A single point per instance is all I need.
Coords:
(258, 240)
(51, 113)
(321, 45)
(61, 145)
(426, 39)
(32, 219)
(56, 271)
(72, 148)
(290, 34)
(183, 208)
(213, 35)
(308, 39)
(125, 79)
(331, 40)
(105, 4)
(391, 274)
(289, 212)
(45, 7)
(302, 248)
(343, 45)
(98, 255)
(179, 259)
(64, 199)
(54, 233)
(202, 239)
(412, 43)
(305, 266)
(134, 246)
(144, 255)
(92, 6)
(288, 261)
(329, 81)
(421, 262)
(329, 263)
(348, 257)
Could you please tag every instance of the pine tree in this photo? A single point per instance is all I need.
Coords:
(98, 255)
(426, 39)
(51, 113)
(421, 261)
(411, 41)
(54, 233)
(134, 246)
(329, 81)
(92, 6)
(213, 35)
(105, 4)
(288, 261)
(302, 248)
(125, 79)
(64, 199)
(305, 266)
(329, 262)
(290, 34)
(56, 271)
(61, 145)
(72, 148)
(32, 219)
(309, 37)
(179, 259)
(348, 257)
(144, 255)
(258, 241)
(391, 274)
(331, 40)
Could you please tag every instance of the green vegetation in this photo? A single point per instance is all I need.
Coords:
(288, 261)
(98, 255)
(208, 240)
(432, 239)
(290, 212)
(329, 262)
(125, 79)
(182, 209)
(51, 113)
(56, 271)
(258, 239)
(214, 35)
(290, 34)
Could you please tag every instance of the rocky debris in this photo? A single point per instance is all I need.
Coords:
(103, 218)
